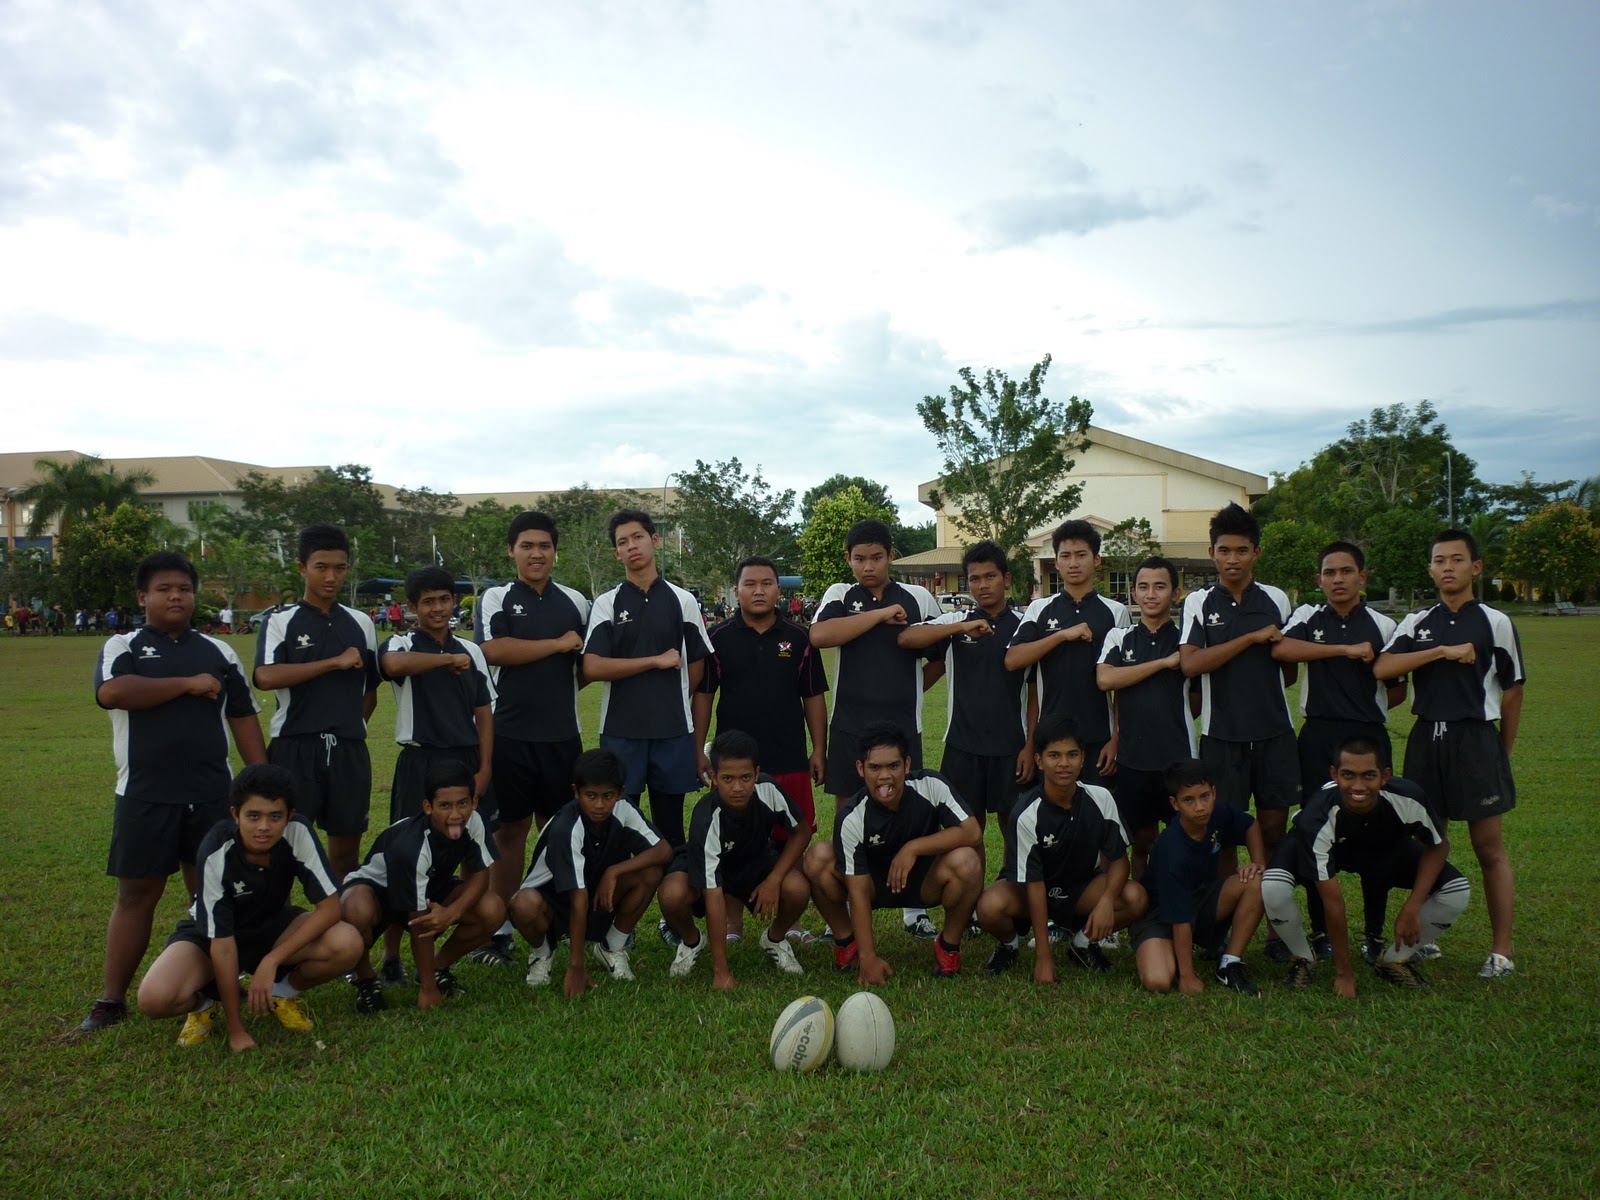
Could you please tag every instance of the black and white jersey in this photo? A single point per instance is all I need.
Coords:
(572, 851)
(234, 897)
(875, 680)
(331, 703)
(1153, 714)
(867, 835)
(177, 752)
(763, 681)
(987, 705)
(438, 707)
(628, 622)
(1452, 691)
(1243, 700)
(536, 701)
(411, 852)
(725, 840)
(1181, 865)
(1342, 689)
(1066, 674)
(1340, 840)
(1060, 846)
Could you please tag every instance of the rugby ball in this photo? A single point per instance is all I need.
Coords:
(803, 1036)
(864, 1033)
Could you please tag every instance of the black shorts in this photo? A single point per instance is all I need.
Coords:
(740, 882)
(438, 892)
(982, 782)
(253, 944)
(1206, 929)
(1462, 766)
(1142, 800)
(149, 840)
(532, 779)
(664, 765)
(1394, 868)
(844, 749)
(333, 776)
(908, 897)
(411, 769)
(1268, 770)
(1319, 743)
(1091, 762)
(560, 905)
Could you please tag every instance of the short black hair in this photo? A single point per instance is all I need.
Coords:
(428, 579)
(1075, 531)
(985, 552)
(1360, 745)
(1156, 563)
(1350, 548)
(871, 532)
(882, 733)
(734, 743)
(1056, 728)
(267, 780)
(1232, 521)
(445, 773)
(624, 516)
(321, 537)
(525, 521)
(599, 768)
(755, 560)
(163, 560)
(1455, 535)
(1187, 773)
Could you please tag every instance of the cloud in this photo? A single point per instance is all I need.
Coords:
(1434, 322)
(1020, 220)
(1555, 209)
(1248, 174)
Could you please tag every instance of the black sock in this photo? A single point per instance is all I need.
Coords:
(947, 947)
(844, 941)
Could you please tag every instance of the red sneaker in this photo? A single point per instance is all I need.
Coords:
(945, 962)
(847, 957)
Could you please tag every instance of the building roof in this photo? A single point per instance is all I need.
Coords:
(191, 474)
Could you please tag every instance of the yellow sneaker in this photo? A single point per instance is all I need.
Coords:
(292, 1014)
(197, 1026)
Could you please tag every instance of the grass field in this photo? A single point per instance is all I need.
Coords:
(999, 1088)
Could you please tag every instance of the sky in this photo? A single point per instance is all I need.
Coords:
(518, 246)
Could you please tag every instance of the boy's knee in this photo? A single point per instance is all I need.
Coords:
(818, 861)
(795, 886)
(1134, 898)
(491, 909)
(344, 944)
(965, 864)
(526, 907)
(1157, 984)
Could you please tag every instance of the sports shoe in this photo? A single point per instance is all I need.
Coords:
(1300, 973)
(1278, 951)
(444, 979)
(1431, 950)
(973, 928)
(539, 970)
(684, 960)
(369, 996)
(392, 973)
(1401, 974)
(1322, 947)
(1058, 934)
(291, 1013)
(197, 1025)
(103, 1013)
(801, 937)
(496, 952)
(946, 963)
(1000, 961)
(921, 928)
(672, 940)
(1090, 957)
(614, 961)
(782, 956)
(1234, 979)
(1496, 966)
(846, 957)
(1372, 948)
(1112, 942)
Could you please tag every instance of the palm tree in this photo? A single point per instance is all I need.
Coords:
(72, 490)
(1587, 496)
(1492, 532)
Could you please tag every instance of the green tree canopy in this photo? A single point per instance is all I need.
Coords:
(99, 555)
(1558, 549)
(585, 559)
(822, 553)
(275, 512)
(1397, 543)
(726, 514)
(474, 543)
(71, 490)
(1289, 553)
(875, 493)
(1128, 543)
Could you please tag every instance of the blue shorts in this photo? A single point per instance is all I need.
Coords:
(664, 765)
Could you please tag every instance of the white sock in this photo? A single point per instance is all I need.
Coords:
(1015, 942)
(284, 989)
(205, 1003)
(1226, 959)
(505, 930)
(1283, 912)
(1080, 940)
(616, 940)
(1394, 954)
(542, 950)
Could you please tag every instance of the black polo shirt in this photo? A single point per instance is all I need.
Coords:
(438, 707)
(573, 852)
(1061, 847)
(1243, 700)
(234, 896)
(1452, 691)
(765, 679)
(537, 701)
(177, 752)
(331, 703)
(725, 841)
(410, 853)
(875, 679)
(1341, 689)
(867, 835)
(1066, 674)
(1340, 840)
(1153, 714)
(628, 622)
(986, 705)
(1180, 865)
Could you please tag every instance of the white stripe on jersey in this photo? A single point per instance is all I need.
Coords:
(851, 831)
(1412, 813)
(938, 792)
(304, 844)
(420, 879)
(211, 888)
(777, 800)
(712, 847)
(116, 646)
(1108, 808)
(630, 816)
(405, 714)
(272, 635)
(1027, 836)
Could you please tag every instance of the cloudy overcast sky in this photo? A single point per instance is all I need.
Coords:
(489, 246)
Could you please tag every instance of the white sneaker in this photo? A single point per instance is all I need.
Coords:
(920, 927)
(614, 961)
(1496, 966)
(1430, 950)
(683, 961)
(1111, 941)
(539, 971)
(782, 955)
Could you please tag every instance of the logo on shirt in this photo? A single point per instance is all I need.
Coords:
(1424, 635)
(1316, 635)
(727, 846)
(517, 608)
(784, 648)
(855, 607)
(875, 840)
(304, 640)
(1052, 623)
(149, 652)
(624, 617)
(1214, 619)
(1056, 893)
(240, 888)
(1048, 839)
(1129, 654)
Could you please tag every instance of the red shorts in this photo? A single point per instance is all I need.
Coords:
(797, 786)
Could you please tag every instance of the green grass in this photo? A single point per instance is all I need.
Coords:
(999, 1088)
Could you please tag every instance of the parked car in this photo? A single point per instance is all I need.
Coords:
(956, 602)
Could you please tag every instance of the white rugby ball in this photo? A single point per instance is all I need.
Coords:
(803, 1037)
(864, 1033)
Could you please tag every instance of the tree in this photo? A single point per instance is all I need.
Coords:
(474, 543)
(1587, 496)
(1127, 544)
(585, 559)
(1289, 553)
(1397, 544)
(1007, 449)
(1558, 549)
(914, 539)
(726, 515)
(1491, 531)
(875, 493)
(424, 515)
(822, 553)
(99, 556)
(345, 495)
(69, 491)
(1519, 501)
(26, 574)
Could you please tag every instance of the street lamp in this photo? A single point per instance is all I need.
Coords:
(1449, 491)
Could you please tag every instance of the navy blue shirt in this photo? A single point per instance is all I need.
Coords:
(1066, 673)
(1342, 689)
(536, 701)
(1242, 700)
(628, 622)
(438, 707)
(1180, 866)
(1153, 714)
(1452, 691)
(987, 710)
(875, 680)
(330, 703)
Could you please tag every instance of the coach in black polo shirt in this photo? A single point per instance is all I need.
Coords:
(648, 646)
(321, 658)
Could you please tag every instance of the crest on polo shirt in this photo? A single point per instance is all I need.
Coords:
(1052, 623)
(149, 652)
(1048, 839)
(1213, 619)
(784, 648)
(624, 616)
(1316, 635)
(875, 840)
(517, 608)
(856, 606)
(1424, 634)
(1129, 654)
(303, 640)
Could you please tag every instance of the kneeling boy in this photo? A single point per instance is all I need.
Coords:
(1186, 894)
(1378, 826)
(409, 879)
(241, 920)
(1067, 863)
(732, 851)
(595, 869)
(902, 841)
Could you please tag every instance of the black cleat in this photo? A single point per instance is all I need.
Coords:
(1089, 957)
(1278, 952)
(1002, 958)
(1372, 948)
(1234, 979)
(369, 996)
(103, 1013)
(1322, 947)
(1401, 974)
(447, 984)
(392, 973)
(1301, 971)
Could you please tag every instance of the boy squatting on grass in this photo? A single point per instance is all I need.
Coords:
(241, 920)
